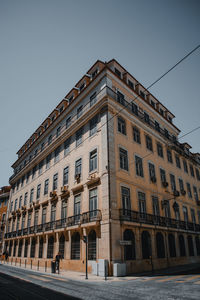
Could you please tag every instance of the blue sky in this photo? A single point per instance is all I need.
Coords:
(46, 46)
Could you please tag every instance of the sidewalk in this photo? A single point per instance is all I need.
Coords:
(79, 276)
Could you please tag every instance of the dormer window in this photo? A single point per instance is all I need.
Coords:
(39, 133)
(82, 87)
(94, 73)
(61, 109)
(71, 98)
(118, 73)
(153, 104)
(142, 94)
(170, 119)
(45, 126)
(157, 126)
(33, 139)
(130, 83)
(79, 111)
(53, 118)
(161, 111)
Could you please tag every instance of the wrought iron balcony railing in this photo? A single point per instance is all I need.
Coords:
(138, 217)
(87, 217)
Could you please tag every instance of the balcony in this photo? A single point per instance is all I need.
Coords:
(137, 217)
(87, 217)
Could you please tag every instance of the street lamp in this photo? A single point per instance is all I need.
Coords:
(85, 240)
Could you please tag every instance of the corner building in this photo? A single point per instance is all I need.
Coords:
(106, 164)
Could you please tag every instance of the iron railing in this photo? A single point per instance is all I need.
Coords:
(138, 217)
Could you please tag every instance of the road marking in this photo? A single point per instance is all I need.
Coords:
(170, 278)
(39, 278)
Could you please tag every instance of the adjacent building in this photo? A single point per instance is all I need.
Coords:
(106, 164)
(4, 197)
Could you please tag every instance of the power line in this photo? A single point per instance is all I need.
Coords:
(189, 132)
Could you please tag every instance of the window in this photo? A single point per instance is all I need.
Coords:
(36, 151)
(189, 190)
(58, 131)
(191, 170)
(41, 247)
(75, 246)
(152, 172)
(92, 245)
(120, 98)
(61, 109)
(157, 126)
(134, 108)
(29, 220)
(27, 176)
(31, 195)
(123, 157)
(40, 167)
(23, 221)
(63, 209)
(78, 164)
(193, 216)
(185, 214)
(93, 160)
(53, 212)
(82, 87)
(139, 166)
(68, 122)
(62, 245)
(197, 174)
(48, 160)
(49, 139)
(46, 186)
(136, 135)
(166, 133)
(163, 175)
(142, 202)
(178, 163)
(44, 213)
(56, 154)
(94, 73)
(25, 198)
(15, 207)
(38, 191)
(181, 185)
(153, 104)
(126, 202)
(65, 175)
(159, 150)
(117, 72)
(50, 247)
(67, 146)
(93, 125)
(173, 182)
(155, 205)
(79, 135)
(22, 181)
(77, 207)
(121, 125)
(20, 201)
(146, 118)
(167, 209)
(34, 171)
(93, 99)
(185, 166)
(149, 144)
(36, 217)
(169, 156)
(79, 111)
(93, 202)
(55, 181)
(196, 197)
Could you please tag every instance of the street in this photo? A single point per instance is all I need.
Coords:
(36, 285)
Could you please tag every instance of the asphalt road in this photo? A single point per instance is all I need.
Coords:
(184, 285)
(12, 288)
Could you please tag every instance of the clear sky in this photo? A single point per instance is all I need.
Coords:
(46, 46)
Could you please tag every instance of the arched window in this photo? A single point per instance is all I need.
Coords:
(129, 250)
(75, 246)
(41, 247)
(146, 245)
(10, 248)
(15, 246)
(160, 245)
(62, 245)
(20, 248)
(172, 245)
(190, 245)
(182, 245)
(197, 242)
(92, 245)
(33, 247)
(26, 248)
(50, 247)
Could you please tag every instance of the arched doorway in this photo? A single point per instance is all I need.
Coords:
(172, 245)
(160, 245)
(129, 250)
(92, 245)
(182, 245)
(146, 245)
(75, 246)
(50, 247)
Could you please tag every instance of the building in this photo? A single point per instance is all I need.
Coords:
(4, 197)
(106, 164)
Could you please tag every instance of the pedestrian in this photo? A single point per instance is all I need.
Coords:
(58, 258)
